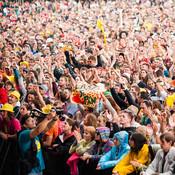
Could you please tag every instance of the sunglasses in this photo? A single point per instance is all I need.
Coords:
(97, 133)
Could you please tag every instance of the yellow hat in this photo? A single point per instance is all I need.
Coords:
(47, 108)
(7, 107)
(24, 62)
(48, 32)
(18, 29)
(11, 78)
(16, 94)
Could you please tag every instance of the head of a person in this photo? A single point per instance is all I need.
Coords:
(69, 125)
(166, 141)
(121, 138)
(13, 97)
(35, 104)
(91, 60)
(43, 89)
(90, 120)
(136, 142)
(28, 122)
(62, 81)
(141, 129)
(136, 75)
(68, 92)
(146, 107)
(101, 120)
(89, 133)
(30, 87)
(7, 112)
(31, 96)
(121, 58)
(126, 117)
(9, 85)
(25, 108)
(143, 96)
(102, 134)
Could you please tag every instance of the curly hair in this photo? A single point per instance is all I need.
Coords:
(139, 140)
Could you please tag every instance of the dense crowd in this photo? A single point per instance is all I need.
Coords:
(123, 52)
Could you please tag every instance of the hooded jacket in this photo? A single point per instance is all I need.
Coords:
(117, 153)
(107, 144)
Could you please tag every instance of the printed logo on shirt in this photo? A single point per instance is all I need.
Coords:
(38, 145)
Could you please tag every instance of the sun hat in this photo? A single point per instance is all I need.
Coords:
(47, 109)
(7, 107)
(16, 94)
(133, 109)
(24, 62)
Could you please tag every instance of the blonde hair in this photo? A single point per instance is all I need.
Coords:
(91, 130)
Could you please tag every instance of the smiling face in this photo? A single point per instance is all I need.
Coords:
(66, 126)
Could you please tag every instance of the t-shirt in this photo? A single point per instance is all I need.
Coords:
(9, 127)
(55, 130)
(145, 121)
(25, 144)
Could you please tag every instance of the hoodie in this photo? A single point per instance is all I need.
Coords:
(117, 153)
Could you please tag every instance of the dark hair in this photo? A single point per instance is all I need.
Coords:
(36, 103)
(68, 88)
(72, 123)
(139, 140)
(28, 106)
(120, 34)
(10, 115)
(144, 95)
(147, 103)
(168, 137)
(24, 118)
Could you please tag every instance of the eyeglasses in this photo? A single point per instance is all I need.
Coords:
(31, 120)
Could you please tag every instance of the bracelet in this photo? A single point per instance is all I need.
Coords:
(54, 119)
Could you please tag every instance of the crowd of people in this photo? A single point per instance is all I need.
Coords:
(126, 49)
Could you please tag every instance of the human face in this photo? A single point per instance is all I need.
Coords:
(30, 87)
(66, 126)
(136, 76)
(30, 97)
(23, 110)
(87, 136)
(125, 118)
(4, 114)
(131, 143)
(143, 74)
(120, 59)
(67, 93)
(116, 142)
(97, 135)
(30, 123)
(62, 81)
(151, 85)
(12, 99)
(100, 122)
(8, 86)
(144, 108)
(165, 145)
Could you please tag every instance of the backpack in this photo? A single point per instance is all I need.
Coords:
(30, 161)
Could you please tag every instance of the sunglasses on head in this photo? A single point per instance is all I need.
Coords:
(97, 132)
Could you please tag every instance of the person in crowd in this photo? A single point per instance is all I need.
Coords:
(163, 161)
(139, 151)
(62, 144)
(116, 154)
(9, 125)
(80, 146)
(103, 145)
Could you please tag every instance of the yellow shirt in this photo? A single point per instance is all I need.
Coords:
(124, 167)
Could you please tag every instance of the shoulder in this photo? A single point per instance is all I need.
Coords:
(24, 136)
(109, 143)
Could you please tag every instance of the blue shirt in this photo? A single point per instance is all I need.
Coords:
(25, 144)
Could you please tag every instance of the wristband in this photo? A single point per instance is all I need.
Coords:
(90, 157)
(54, 119)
